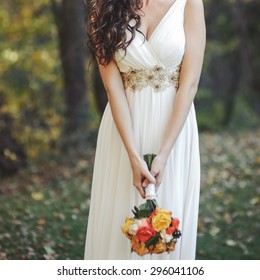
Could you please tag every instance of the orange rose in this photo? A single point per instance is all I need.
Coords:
(135, 243)
(144, 233)
(159, 248)
(142, 250)
(139, 247)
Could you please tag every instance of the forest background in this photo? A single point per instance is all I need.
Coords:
(51, 102)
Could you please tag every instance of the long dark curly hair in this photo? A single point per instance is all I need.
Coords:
(107, 24)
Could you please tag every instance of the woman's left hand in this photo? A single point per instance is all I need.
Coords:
(157, 170)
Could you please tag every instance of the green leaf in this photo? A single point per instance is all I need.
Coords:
(144, 206)
(151, 204)
(145, 213)
(148, 158)
(152, 241)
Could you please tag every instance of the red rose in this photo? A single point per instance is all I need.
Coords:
(145, 233)
(174, 225)
(170, 230)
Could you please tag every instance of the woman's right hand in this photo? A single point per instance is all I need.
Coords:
(140, 173)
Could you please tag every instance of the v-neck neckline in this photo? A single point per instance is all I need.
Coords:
(160, 22)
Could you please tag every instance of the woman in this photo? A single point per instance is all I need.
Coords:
(150, 56)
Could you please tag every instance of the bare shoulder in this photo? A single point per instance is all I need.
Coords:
(194, 6)
(194, 11)
(194, 23)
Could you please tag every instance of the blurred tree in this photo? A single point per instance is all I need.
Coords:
(252, 29)
(30, 72)
(231, 61)
(99, 90)
(12, 155)
(222, 55)
(70, 21)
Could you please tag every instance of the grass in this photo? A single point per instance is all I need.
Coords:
(44, 208)
(44, 212)
(229, 205)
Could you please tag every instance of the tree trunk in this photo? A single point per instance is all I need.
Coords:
(99, 90)
(70, 21)
(240, 22)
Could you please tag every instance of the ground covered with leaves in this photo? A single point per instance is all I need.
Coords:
(44, 209)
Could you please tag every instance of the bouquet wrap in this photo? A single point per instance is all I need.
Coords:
(150, 192)
(152, 230)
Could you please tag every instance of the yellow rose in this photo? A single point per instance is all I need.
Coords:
(125, 228)
(161, 219)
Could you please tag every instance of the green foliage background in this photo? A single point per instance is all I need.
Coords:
(31, 74)
(30, 71)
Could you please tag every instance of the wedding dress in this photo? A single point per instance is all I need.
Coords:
(149, 70)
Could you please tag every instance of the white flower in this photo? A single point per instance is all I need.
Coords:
(166, 238)
(134, 227)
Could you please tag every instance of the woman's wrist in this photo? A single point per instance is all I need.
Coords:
(163, 155)
(134, 156)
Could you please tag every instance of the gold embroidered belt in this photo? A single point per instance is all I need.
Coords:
(158, 78)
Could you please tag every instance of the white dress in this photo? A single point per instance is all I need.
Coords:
(113, 195)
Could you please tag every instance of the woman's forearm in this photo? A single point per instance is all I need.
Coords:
(195, 39)
(122, 117)
(119, 107)
(181, 108)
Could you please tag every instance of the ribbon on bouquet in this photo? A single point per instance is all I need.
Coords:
(150, 192)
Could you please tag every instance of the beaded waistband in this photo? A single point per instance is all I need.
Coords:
(158, 78)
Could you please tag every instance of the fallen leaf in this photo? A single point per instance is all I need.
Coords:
(59, 216)
(227, 218)
(231, 243)
(37, 196)
(42, 221)
(214, 231)
(254, 200)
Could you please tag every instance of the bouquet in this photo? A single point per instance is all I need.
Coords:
(152, 230)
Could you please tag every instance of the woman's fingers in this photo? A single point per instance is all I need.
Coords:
(158, 180)
(148, 177)
(157, 168)
(144, 177)
(140, 189)
(141, 176)
(145, 183)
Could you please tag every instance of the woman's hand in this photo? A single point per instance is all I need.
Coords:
(157, 170)
(141, 174)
